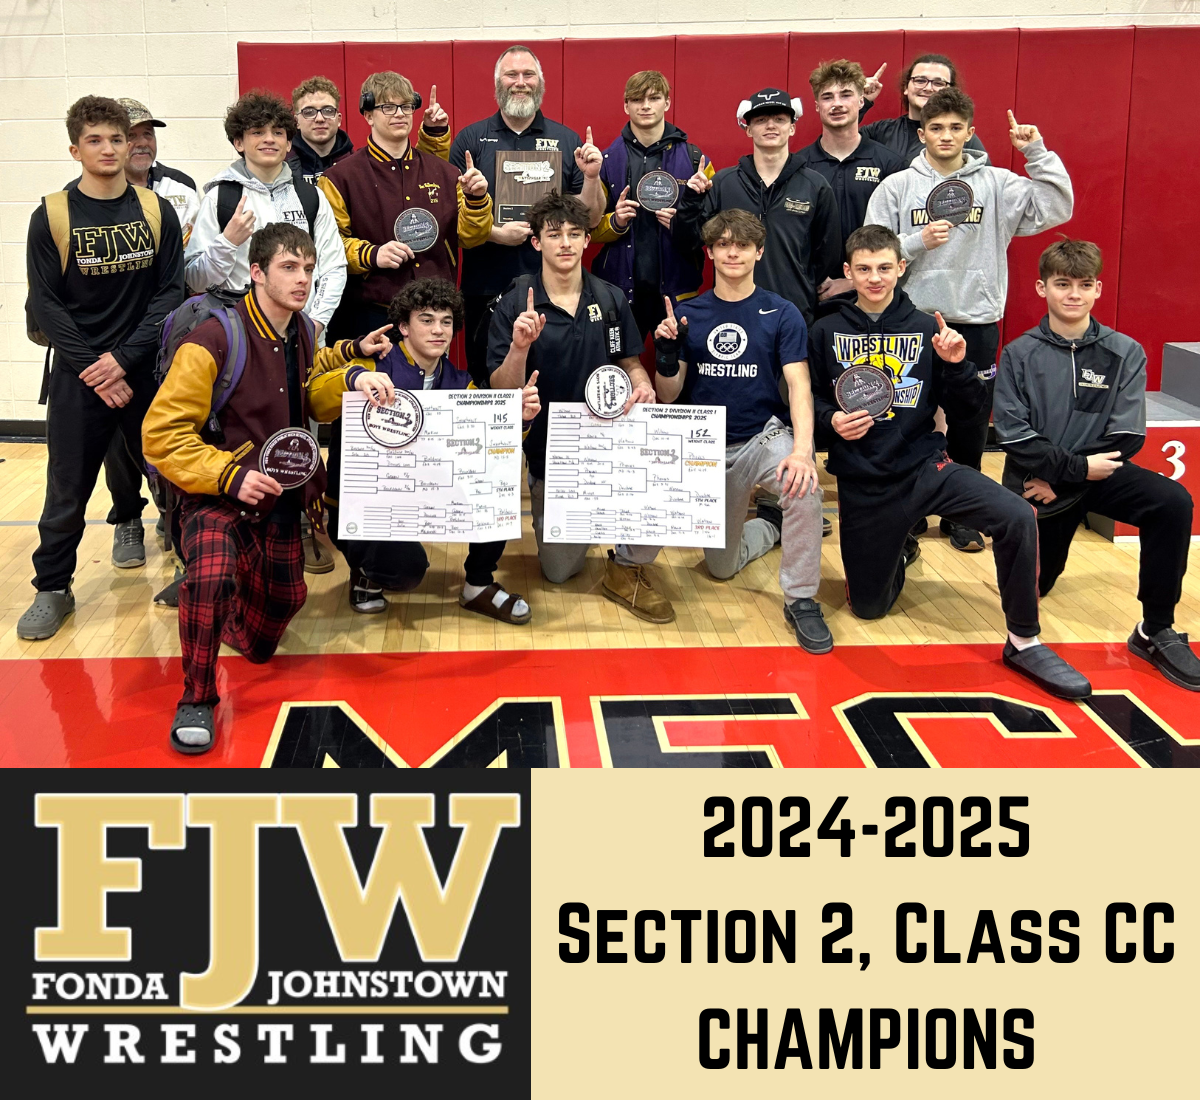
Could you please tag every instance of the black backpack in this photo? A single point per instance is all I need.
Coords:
(229, 194)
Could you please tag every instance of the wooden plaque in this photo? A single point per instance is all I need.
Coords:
(523, 177)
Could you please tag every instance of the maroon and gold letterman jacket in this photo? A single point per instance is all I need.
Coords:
(174, 435)
(369, 189)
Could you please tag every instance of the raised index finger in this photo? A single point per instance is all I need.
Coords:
(879, 71)
(589, 136)
(470, 160)
(530, 306)
(670, 309)
(1012, 120)
(938, 317)
(432, 94)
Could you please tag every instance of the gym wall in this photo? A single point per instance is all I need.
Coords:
(1104, 92)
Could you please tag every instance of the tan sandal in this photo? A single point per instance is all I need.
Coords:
(483, 605)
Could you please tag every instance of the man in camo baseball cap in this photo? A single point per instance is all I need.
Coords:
(139, 112)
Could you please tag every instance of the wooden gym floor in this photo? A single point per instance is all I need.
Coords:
(949, 598)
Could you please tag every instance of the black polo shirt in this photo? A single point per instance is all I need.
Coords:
(565, 353)
(854, 179)
(488, 268)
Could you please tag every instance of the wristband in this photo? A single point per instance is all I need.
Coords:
(666, 352)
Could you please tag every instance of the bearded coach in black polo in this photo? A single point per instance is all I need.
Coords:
(797, 206)
(488, 268)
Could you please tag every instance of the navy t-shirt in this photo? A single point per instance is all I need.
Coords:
(735, 355)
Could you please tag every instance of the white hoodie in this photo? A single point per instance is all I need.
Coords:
(211, 261)
(967, 277)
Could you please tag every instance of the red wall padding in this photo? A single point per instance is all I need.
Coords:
(598, 101)
(279, 67)
(707, 97)
(424, 63)
(1090, 136)
(1158, 288)
(475, 84)
(869, 48)
(1129, 159)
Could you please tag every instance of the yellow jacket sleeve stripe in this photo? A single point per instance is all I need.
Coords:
(359, 253)
(437, 144)
(474, 219)
(171, 429)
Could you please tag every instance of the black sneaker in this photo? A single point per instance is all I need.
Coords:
(962, 538)
(129, 544)
(366, 597)
(773, 514)
(1048, 670)
(1170, 653)
(806, 620)
(826, 527)
(912, 550)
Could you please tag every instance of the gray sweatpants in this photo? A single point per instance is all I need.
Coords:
(747, 465)
(562, 560)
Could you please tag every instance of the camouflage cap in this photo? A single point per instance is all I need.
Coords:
(139, 112)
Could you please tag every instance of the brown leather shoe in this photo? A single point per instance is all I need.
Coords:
(630, 586)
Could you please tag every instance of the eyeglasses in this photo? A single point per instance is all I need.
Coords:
(390, 109)
(324, 112)
(936, 82)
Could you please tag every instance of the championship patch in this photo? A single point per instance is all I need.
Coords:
(797, 206)
(895, 355)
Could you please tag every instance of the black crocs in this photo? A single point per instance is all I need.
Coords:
(192, 716)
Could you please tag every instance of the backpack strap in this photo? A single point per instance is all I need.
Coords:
(152, 212)
(610, 300)
(234, 366)
(695, 155)
(58, 214)
(229, 194)
(310, 202)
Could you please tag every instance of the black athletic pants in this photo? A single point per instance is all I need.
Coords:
(1161, 510)
(649, 309)
(400, 566)
(875, 518)
(475, 337)
(966, 439)
(79, 429)
(123, 476)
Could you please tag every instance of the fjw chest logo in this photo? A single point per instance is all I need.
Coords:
(368, 942)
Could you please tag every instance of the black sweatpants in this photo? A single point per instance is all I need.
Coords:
(1161, 510)
(475, 337)
(875, 518)
(401, 566)
(123, 476)
(79, 429)
(966, 439)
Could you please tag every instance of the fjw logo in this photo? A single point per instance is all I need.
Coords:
(280, 907)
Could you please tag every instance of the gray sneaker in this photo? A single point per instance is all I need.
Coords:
(129, 547)
(47, 613)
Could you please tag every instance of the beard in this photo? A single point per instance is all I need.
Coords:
(519, 106)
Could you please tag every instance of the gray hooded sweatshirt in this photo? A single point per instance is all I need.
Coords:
(967, 277)
(1058, 401)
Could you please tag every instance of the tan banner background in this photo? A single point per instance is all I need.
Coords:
(633, 840)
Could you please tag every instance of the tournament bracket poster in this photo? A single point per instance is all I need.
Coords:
(991, 933)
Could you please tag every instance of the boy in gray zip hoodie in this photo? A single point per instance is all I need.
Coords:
(962, 270)
(1070, 413)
